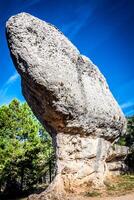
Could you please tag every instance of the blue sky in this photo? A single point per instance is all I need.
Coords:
(103, 30)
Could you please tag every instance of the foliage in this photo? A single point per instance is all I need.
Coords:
(128, 140)
(130, 130)
(25, 147)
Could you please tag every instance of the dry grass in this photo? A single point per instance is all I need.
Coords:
(120, 185)
(115, 186)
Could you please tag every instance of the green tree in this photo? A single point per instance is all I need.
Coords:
(128, 140)
(25, 147)
(130, 131)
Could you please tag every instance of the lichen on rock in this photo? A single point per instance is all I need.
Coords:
(70, 97)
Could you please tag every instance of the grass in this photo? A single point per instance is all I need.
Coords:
(93, 194)
(116, 186)
(120, 185)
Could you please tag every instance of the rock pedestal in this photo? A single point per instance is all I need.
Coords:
(71, 98)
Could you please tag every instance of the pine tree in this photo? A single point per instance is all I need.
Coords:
(25, 148)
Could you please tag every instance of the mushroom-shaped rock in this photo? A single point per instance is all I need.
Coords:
(70, 97)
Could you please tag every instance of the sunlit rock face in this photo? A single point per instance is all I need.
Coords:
(115, 159)
(70, 97)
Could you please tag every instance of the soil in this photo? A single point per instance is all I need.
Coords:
(122, 197)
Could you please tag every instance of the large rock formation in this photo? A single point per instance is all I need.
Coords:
(71, 98)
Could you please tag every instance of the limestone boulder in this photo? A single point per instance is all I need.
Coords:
(70, 97)
(116, 159)
(116, 152)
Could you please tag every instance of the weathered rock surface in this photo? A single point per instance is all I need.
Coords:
(115, 159)
(116, 152)
(71, 98)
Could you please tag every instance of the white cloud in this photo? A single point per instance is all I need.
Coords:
(74, 26)
(126, 86)
(29, 3)
(12, 78)
(125, 90)
(8, 83)
(127, 104)
(130, 113)
(78, 25)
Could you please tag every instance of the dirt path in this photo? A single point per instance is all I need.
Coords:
(123, 197)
